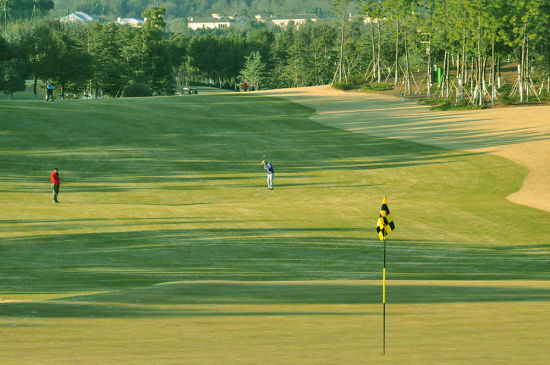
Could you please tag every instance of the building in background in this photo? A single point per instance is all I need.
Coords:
(130, 21)
(297, 20)
(216, 21)
(77, 17)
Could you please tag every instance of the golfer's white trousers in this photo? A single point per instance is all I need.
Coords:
(270, 181)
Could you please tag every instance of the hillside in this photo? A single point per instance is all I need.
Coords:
(111, 9)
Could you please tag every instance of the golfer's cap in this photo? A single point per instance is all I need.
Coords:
(263, 162)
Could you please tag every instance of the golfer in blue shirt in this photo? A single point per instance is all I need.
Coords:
(269, 168)
(49, 92)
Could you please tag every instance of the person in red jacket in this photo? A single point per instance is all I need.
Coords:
(56, 181)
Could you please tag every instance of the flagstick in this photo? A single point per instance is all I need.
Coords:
(384, 302)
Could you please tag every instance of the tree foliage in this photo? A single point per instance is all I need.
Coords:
(12, 77)
(25, 9)
(465, 38)
(253, 71)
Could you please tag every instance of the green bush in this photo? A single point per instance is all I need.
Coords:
(545, 95)
(507, 99)
(377, 86)
(341, 85)
(136, 89)
(351, 82)
(444, 105)
(461, 105)
(433, 101)
(450, 104)
(505, 89)
(356, 80)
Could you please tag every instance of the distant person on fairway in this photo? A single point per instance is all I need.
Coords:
(56, 181)
(269, 168)
(49, 92)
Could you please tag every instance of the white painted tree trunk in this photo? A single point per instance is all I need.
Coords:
(408, 72)
(396, 55)
(379, 51)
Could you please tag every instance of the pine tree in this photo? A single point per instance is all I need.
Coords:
(253, 72)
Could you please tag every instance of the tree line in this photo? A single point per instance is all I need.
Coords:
(467, 39)
(401, 42)
(106, 59)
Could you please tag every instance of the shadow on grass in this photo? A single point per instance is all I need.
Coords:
(163, 300)
(101, 310)
(30, 225)
(305, 293)
(378, 114)
(222, 143)
(151, 268)
(65, 263)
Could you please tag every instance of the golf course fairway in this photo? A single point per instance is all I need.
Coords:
(168, 248)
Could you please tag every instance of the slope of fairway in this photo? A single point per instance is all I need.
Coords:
(520, 134)
(166, 229)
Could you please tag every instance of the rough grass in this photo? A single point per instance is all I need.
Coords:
(161, 194)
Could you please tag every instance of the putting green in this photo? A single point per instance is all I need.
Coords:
(167, 244)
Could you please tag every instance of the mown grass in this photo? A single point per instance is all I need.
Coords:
(159, 193)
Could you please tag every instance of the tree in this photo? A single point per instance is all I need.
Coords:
(13, 77)
(158, 64)
(202, 54)
(376, 11)
(132, 55)
(323, 52)
(5, 54)
(283, 43)
(73, 63)
(341, 7)
(18, 9)
(541, 30)
(262, 40)
(299, 68)
(355, 51)
(37, 50)
(527, 22)
(401, 12)
(107, 63)
(253, 71)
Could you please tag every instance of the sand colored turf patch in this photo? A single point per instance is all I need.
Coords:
(520, 134)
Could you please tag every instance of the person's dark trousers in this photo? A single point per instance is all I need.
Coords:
(55, 189)
(50, 95)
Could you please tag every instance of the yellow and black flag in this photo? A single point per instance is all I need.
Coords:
(385, 221)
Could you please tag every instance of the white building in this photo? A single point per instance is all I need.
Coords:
(298, 20)
(77, 17)
(209, 23)
(130, 21)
